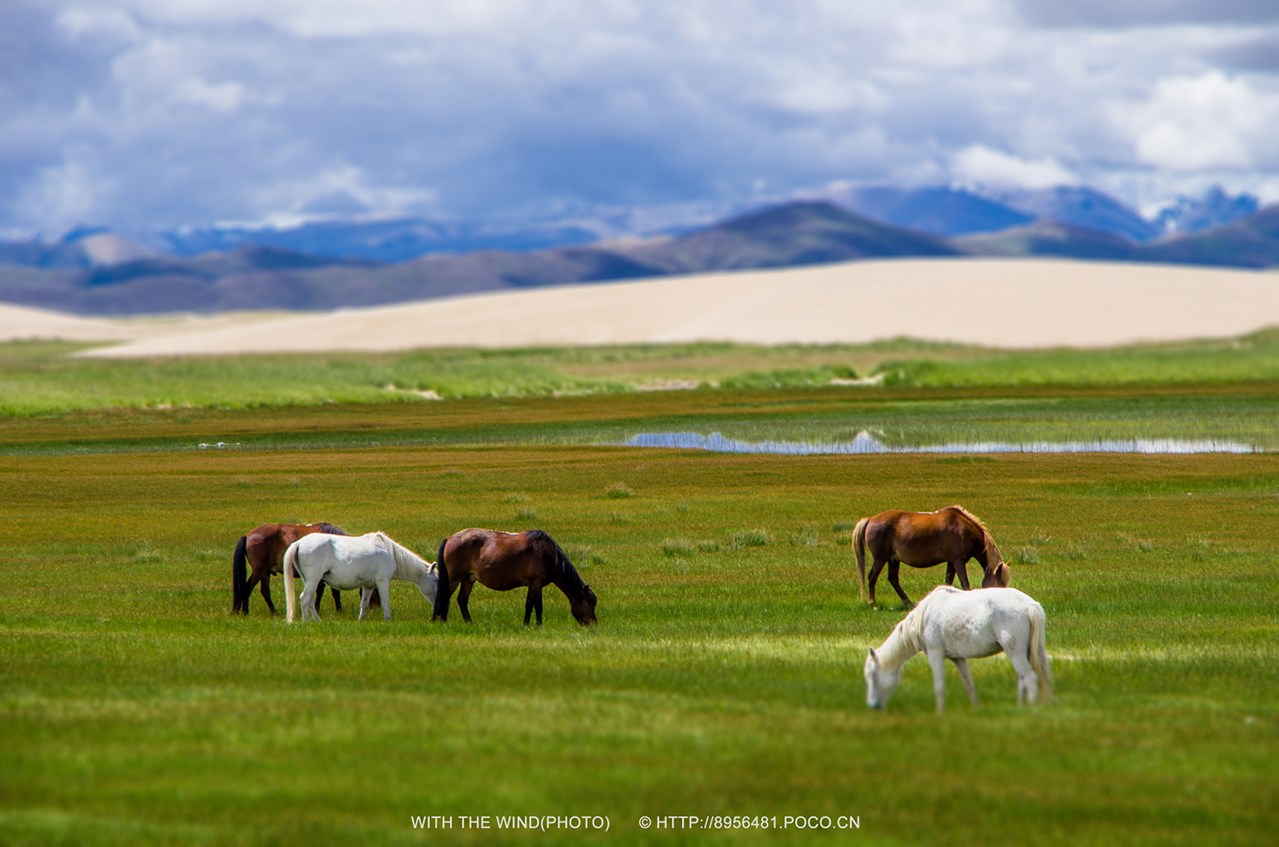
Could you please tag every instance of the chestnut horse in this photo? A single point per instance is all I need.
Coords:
(923, 539)
(506, 560)
(263, 549)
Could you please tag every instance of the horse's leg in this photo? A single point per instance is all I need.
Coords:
(249, 585)
(962, 569)
(319, 594)
(950, 573)
(366, 595)
(533, 602)
(337, 600)
(893, 568)
(874, 575)
(937, 660)
(266, 591)
(464, 598)
(1027, 679)
(962, 666)
(308, 600)
(384, 590)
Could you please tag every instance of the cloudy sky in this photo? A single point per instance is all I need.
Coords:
(159, 113)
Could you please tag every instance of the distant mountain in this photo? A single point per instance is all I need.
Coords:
(1080, 207)
(802, 233)
(271, 278)
(786, 235)
(936, 210)
(385, 240)
(211, 266)
(1050, 238)
(83, 247)
(1211, 209)
(1251, 242)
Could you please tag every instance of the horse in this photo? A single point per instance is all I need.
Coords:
(957, 625)
(263, 548)
(506, 560)
(346, 562)
(923, 539)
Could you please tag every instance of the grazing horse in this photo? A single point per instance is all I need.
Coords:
(263, 549)
(506, 560)
(345, 562)
(922, 539)
(952, 624)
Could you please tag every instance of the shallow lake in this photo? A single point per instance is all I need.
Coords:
(865, 443)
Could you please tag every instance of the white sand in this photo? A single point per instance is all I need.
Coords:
(1003, 303)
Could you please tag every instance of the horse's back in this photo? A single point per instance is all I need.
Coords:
(499, 560)
(953, 615)
(468, 546)
(462, 547)
(916, 538)
(346, 561)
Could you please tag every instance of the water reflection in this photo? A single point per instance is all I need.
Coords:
(865, 443)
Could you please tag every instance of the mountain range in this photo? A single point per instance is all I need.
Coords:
(330, 264)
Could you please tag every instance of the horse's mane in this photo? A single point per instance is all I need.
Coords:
(403, 556)
(993, 556)
(906, 639)
(571, 580)
(331, 529)
(971, 517)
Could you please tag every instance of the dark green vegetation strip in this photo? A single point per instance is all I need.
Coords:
(725, 675)
(1242, 413)
(42, 378)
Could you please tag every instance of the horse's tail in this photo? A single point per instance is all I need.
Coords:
(239, 574)
(1038, 650)
(859, 539)
(442, 588)
(290, 590)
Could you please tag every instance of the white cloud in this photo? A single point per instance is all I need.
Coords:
(1209, 121)
(70, 192)
(224, 97)
(980, 165)
(478, 107)
(81, 22)
(287, 201)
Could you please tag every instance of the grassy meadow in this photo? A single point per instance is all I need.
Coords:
(724, 677)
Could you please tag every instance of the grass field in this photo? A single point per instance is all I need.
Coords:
(725, 675)
(41, 378)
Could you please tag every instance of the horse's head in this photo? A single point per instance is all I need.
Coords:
(429, 584)
(997, 577)
(880, 683)
(584, 606)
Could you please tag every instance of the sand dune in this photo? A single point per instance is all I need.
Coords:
(1004, 303)
(23, 323)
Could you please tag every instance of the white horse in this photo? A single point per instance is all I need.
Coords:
(962, 625)
(347, 562)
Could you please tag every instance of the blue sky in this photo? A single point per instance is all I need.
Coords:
(159, 113)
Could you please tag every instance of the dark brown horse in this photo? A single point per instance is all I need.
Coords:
(506, 560)
(263, 549)
(923, 539)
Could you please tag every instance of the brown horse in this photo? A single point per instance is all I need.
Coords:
(506, 560)
(263, 549)
(923, 539)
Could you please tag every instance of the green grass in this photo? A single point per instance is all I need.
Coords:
(724, 677)
(42, 378)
